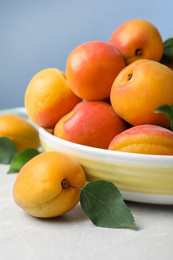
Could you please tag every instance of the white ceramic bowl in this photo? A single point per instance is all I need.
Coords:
(140, 178)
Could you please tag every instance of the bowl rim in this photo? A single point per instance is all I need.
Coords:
(102, 153)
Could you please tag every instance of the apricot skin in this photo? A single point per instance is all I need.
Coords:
(91, 123)
(137, 39)
(48, 97)
(139, 89)
(23, 134)
(91, 69)
(144, 139)
(38, 187)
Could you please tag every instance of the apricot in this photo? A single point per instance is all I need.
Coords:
(137, 39)
(90, 123)
(91, 69)
(43, 185)
(23, 134)
(144, 139)
(48, 97)
(139, 89)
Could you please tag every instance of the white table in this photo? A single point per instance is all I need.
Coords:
(74, 237)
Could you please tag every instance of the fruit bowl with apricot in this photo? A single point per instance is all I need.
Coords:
(140, 177)
(102, 110)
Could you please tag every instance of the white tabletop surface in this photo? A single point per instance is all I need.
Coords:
(74, 237)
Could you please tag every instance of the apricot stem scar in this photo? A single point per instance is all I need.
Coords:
(129, 76)
(65, 184)
(138, 52)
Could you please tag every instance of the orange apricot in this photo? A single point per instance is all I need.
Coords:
(139, 89)
(43, 187)
(48, 97)
(91, 69)
(137, 39)
(23, 134)
(144, 139)
(91, 123)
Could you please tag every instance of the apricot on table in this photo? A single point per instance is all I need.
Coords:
(43, 185)
(144, 139)
(91, 123)
(23, 134)
(139, 89)
(48, 97)
(91, 69)
(137, 39)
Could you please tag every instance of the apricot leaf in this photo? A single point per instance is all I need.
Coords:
(7, 150)
(22, 158)
(102, 202)
(168, 51)
(168, 110)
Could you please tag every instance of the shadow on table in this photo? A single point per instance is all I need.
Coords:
(149, 206)
(75, 215)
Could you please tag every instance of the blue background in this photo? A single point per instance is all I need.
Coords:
(36, 35)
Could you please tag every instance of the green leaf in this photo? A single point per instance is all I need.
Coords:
(103, 204)
(168, 51)
(167, 110)
(7, 150)
(21, 158)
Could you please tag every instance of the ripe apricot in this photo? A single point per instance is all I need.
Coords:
(137, 39)
(144, 139)
(42, 187)
(48, 97)
(139, 89)
(91, 123)
(19, 131)
(91, 69)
